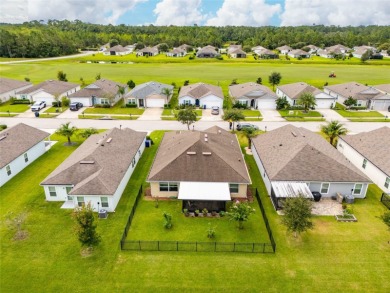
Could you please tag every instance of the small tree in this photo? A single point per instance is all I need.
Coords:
(307, 100)
(61, 76)
(234, 81)
(27, 79)
(250, 133)
(131, 84)
(98, 76)
(259, 80)
(166, 92)
(15, 222)
(186, 116)
(67, 131)
(333, 129)
(282, 103)
(297, 214)
(240, 212)
(210, 231)
(163, 47)
(350, 102)
(113, 42)
(82, 82)
(386, 218)
(167, 220)
(366, 56)
(186, 82)
(85, 226)
(87, 132)
(274, 79)
(233, 115)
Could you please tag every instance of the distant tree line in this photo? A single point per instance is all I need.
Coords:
(54, 38)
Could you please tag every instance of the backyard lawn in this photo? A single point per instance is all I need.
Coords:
(299, 115)
(333, 257)
(17, 108)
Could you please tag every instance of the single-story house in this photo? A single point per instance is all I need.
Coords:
(369, 152)
(267, 54)
(284, 49)
(360, 50)
(102, 91)
(131, 48)
(203, 168)
(257, 49)
(295, 161)
(98, 171)
(104, 47)
(330, 52)
(237, 53)
(48, 91)
(293, 91)
(207, 52)
(324, 53)
(298, 53)
(117, 50)
(201, 95)
(149, 95)
(9, 88)
(20, 145)
(367, 96)
(313, 49)
(253, 95)
(148, 51)
(185, 47)
(176, 52)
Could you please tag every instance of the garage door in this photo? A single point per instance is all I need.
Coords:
(324, 103)
(85, 101)
(382, 105)
(49, 101)
(155, 103)
(266, 104)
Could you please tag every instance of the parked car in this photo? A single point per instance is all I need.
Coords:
(38, 106)
(241, 126)
(75, 106)
(388, 109)
(215, 110)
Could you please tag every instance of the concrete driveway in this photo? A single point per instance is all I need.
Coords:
(271, 115)
(68, 114)
(330, 114)
(207, 116)
(29, 113)
(151, 114)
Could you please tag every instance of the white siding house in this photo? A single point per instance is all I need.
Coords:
(19, 147)
(201, 95)
(253, 95)
(9, 88)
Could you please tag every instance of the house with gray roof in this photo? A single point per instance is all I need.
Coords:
(253, 95)
(98, 171)
(293, 91)
(369, 152)
(201, 95)
(207, 52)
(176, 52)
(118, 50)
(48, 91)
(284, 49)
(295, 161)
(9, 87)
(313, 49)
(237, 53)
(203, 168)
(266, 54)
(332, 51)
(366, 96)
(101, 92)
(298, 53)
(257, 49)
(20, 145)
(148, 51)
(150, 94)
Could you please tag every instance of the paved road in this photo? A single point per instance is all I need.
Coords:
(354, 127)
(85, 53)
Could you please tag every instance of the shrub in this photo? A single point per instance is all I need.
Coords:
(238, 105)
(106, 106)
(296, 107)
(149, 138)
(167, 106)
(210, 231)
(358, 108)
(131, 105)
(191, 57)
(167, 220)
(56, 104)
(282, 103)
(219, 58)
(98, 106)
(205, 211)
(3, 126)
(19, 101)
(222, 213)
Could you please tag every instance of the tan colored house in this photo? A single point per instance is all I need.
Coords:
(203, 168)
(284, 49)
(298, 53)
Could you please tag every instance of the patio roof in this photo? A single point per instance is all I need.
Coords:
(291, 189)
(204, 191)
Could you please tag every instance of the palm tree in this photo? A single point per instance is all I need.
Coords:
(250, 133)
(167, 92)
(274, 79)
(307, 100)
(67, 131)
(333, 129)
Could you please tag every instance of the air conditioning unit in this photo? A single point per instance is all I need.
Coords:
(103, 214)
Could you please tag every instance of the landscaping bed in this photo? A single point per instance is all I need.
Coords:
(346, 218)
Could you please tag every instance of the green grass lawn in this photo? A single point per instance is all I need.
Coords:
(298, 115)
(172, 112)
(117, 117)
(53, 109)
(116, 109)
(7, 115)
(48, 115)
(17, 108)
(333, 257)
(251, 113)
(359, 114)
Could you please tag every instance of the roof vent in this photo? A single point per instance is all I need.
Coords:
(293, 133)
(205, 135)
(206, 153)
(109, 140)
(205, 139)
(219, 131)
(191, 153)
(280, 144)
(100, 141)
(87, 162)
(2, 137)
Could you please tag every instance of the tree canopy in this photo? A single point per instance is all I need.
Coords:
(67, 131)
(297, 214)
(307, 100)
(233, 115)
(186, 116)
(274, 79)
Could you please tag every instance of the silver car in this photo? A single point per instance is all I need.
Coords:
(215, 110)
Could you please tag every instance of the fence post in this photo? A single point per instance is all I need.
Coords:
(196, 246)
(215, 246)
(253, 247)
(158, 245)
(139, 244)
(177, 245)
(234, 246)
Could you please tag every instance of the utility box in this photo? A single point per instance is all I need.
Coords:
(103, 214)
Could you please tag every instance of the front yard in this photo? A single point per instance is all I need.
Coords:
(17, 108)
(116, 109)
(363, 115)
(252, 115)
(170, 114)
(299, 115)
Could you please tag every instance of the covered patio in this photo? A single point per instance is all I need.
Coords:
(283, 189)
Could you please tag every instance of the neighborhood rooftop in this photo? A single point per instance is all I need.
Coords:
(295, 90)
(355, 90)
(7, 84)
(290, 153)
(17, 140)
(53, 87)
(250, 89)
(200, 90)
(99, 164)
(99, 88)
(148, 88)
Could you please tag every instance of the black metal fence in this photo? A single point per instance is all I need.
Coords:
(194, 245)
(385, 199)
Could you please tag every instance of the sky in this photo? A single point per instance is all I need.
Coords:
(201, 12)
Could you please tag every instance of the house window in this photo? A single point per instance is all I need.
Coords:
(8, 169)
(52, 191)
(387, 182)
(364, 164)
(104, 201)
(233, 187)
(325, 188)
(131, 101)
(26, 157)
(68, 189)
(187, 102)
(169, 186)
(104, 101)
(358, 189)
(80, 201)
(139, 153)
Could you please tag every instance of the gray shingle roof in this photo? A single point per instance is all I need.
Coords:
(99, 88)
(299, 52)
(117, 48)
(374, 146)
(295, 90)
(53, 87)
(383, 87)
(354, 90)
(251, 90)
(17, 140)
(149, 50)
(285, 47)
(7, 84)
(290, 153)
(223, 163)
(147, 89)
(200, 90)
(111, 162)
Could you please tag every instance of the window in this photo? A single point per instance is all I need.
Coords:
(104, 201)
(358, 189)
(80, 201)
(69, 198)
(131, 101)
(233, 188)
(52, 191)
(325, 188)
(26, 157)
(387, 182)
(68, 189)
(169, 186)
(8, 169)
(187, 102)
(364, 164)
(139, 153)
(104, 101)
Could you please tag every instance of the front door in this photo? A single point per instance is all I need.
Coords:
(197, 102)
(141, 103)
(69, 198)
(252, 103)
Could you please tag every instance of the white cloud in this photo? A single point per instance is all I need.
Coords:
(13, 11)
(244, 12)
(94, 11)
(336, 12)
(178, 12)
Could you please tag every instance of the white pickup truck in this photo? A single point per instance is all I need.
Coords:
(38, 106)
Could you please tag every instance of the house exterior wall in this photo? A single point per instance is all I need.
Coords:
(281, 94)
(19, 163)
(324, 101)
(87, 102)
(261, 168)
(186, 98)
(41, 95)
(7, 95)
(373, 172)
(343, 188)
(339, 98)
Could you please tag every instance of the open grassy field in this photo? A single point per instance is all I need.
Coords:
(333, 257)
